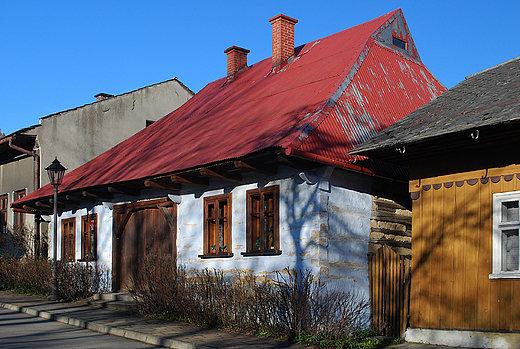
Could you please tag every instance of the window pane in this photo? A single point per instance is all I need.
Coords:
(212, 238)
(510, 211)
(211, 211)
(269, 230)
(399, 43)
(269, 202)
(223, 235)
(255, 204)
(255, 232)
(222, 209)
(510, 251)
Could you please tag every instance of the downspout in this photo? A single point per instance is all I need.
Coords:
(335, 163)
(36, 187)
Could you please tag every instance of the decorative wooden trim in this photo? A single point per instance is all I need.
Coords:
(484, 180)
(495, 179)
(472, 181)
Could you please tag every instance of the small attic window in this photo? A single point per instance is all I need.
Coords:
(399, 43)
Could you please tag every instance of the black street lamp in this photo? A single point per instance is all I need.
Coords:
(55, 171)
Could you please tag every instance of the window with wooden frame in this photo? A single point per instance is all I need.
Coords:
(19, 218)
(3, 214)
(263, 237)
(506, 227)
(399, 43)
(217, 226)
(68, 240)
(89, 237)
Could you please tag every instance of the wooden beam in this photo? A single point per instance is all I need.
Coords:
(125, 191)
(393, 243)
(169, 218)
(80, 198)
(42, 205)
(90, 194)
(37, 209)
(242, 165)
(230, 177)
(61, 204)
(161, 185)
(189, 180)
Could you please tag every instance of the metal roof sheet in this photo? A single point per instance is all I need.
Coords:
(331, 96)
(484, 99)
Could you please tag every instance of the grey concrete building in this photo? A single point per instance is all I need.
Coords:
(75, 136)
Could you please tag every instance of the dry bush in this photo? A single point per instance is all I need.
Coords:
(80, 280)
(16, 242)
(75, 280)
(25, 275)
(295, 303)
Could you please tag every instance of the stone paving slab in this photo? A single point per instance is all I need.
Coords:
(171, 334)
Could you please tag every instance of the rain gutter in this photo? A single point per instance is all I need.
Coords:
(339, 164)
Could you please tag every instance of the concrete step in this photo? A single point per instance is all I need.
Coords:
(116, 296)
(115, 301)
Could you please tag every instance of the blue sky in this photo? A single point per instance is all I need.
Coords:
(56, 55)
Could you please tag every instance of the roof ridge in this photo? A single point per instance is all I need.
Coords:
(496, 66)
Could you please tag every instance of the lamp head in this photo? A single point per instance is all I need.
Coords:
(55, 171)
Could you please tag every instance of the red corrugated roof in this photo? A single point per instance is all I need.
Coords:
(334, 94)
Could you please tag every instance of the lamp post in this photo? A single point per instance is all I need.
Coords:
(55, 171)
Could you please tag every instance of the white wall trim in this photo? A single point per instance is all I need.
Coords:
(466, 339)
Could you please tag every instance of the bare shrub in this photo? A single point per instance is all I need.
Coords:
(16, 242)
(78, 280)
(292, 304)
(75, 280)
(25, 275)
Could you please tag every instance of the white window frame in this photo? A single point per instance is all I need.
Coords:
(498, 226)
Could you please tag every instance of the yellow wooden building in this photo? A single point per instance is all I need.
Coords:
(462, 153)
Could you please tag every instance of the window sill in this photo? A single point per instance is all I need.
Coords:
(505, 275)
(261, 253)
(88, 260)
(214, 255)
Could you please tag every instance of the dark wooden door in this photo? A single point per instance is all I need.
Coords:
(141, 229)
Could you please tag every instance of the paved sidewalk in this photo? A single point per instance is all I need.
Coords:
(169, 334)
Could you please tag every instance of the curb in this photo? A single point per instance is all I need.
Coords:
(104, 329)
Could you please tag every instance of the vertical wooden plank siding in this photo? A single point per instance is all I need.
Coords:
(436, 257)
(470, 255)
(452, 238)
(389, 291)
(458, 255)
(446, 317)
(484, 259)
(423, 264)
(417, 254)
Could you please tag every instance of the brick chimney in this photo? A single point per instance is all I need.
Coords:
(236, 59)
(283, 38)
(103, 96)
